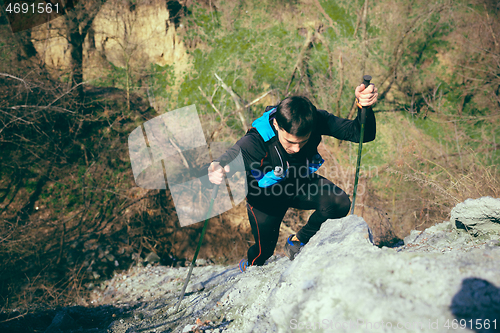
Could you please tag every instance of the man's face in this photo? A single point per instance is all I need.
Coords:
(291, 143)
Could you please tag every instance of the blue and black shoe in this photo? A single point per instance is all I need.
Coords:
(292, 248)
(243, 265)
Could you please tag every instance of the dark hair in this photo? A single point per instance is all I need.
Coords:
(296, 115)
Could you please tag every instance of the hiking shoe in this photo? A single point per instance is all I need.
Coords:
(243, 265)
(292, 248)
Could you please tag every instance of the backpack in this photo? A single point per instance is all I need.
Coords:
(278, 161)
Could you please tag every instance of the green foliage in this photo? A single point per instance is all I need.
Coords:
(245, 58)
(342, 15)
(115, 77)
(160, 78)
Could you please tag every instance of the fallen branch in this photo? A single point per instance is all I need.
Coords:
(236, 101)
(300, 58)
(211, 103)
(216, 131)
(184, 160)
(57, 108)
(16, 317)
(16, 78)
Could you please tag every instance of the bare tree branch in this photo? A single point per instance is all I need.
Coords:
(16, 78)
(236, 101)
(300, 58)
(209, 100)
(216, 131)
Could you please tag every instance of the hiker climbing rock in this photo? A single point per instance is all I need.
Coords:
(280, 158)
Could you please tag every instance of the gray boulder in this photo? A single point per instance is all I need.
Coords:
(477, 216)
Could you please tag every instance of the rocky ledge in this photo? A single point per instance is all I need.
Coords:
(441, 279)
(444, 278)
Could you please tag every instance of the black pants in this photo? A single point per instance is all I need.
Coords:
(315, 192)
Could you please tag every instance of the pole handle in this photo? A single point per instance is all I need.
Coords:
(366, 82)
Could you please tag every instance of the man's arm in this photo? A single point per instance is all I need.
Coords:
(252, 149)
(345, 129)
(350, 130)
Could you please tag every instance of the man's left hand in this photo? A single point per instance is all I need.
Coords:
(366, 96)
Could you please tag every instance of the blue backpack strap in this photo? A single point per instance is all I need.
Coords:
(263, 127)
(279, 163)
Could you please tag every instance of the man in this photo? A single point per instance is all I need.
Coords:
(280, 156)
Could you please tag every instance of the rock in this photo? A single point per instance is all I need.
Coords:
(201, 262)
(477, 298)
(136, 257)
(440, 275)
(188, 328)
(152, 258)
(478, 216)
(194, 287)
(62, 322)
(412, 236)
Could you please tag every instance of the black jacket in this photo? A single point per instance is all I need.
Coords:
(253, 147)
(255, 151)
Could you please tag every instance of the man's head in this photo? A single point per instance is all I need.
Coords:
(294, 121)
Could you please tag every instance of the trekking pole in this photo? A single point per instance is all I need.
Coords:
(214, 195)
(366, 82)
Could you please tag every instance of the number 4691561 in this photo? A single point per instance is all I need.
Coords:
(25, 8)
(477, 324)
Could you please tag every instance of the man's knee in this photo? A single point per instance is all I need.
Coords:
(337, 205)
(344, 205)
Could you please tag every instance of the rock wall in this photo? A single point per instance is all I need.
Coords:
(51, 45)
(137, 37)
(140, 36)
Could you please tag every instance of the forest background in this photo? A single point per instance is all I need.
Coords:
(73, 89)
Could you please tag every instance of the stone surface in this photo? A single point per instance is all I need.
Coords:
(340, 281)
(479, 216)
(152, 258)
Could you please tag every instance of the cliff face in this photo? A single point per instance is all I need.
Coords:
(125, 36)
(139, 35)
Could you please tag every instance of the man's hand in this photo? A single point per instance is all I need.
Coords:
(216, 173)
(368, 96)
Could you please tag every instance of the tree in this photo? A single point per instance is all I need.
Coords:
(78, 18)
